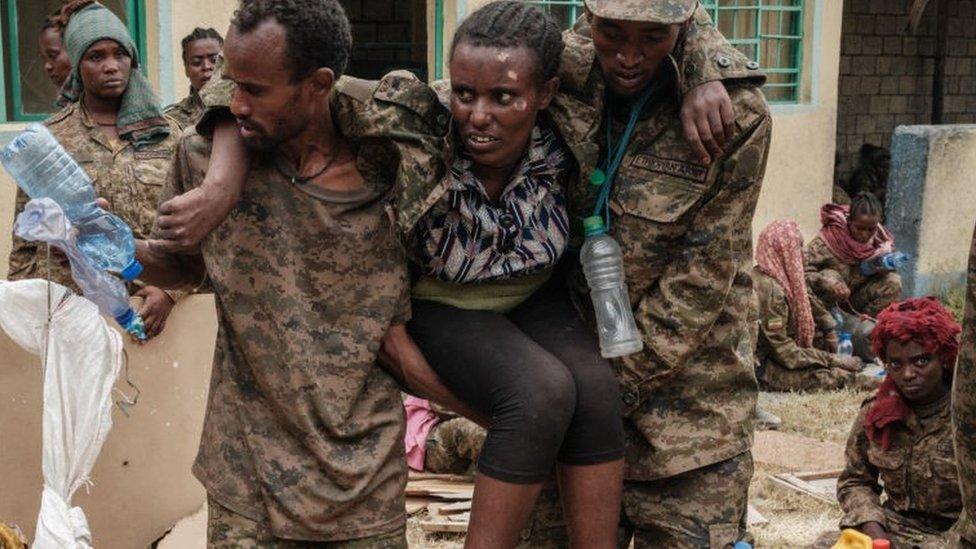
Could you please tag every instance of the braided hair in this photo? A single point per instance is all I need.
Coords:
(866, 203)
(513, 24)
(200, 34)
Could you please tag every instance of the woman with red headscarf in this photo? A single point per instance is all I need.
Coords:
(901, 444)
(850, 236)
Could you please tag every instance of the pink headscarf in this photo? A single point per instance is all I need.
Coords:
(836, 234)
(421, 418)
(779, 254)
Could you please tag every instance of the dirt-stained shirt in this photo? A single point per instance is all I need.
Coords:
(917, 473)
(187, 111)
(131, 180)
(685, 232)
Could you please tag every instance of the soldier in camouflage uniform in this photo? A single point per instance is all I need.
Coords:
(303, 440)
(900, 446)
(201, 49)
(964, 412)
(685, 231)
(130, 175)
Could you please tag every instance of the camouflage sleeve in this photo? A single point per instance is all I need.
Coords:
(707, 57)
(858, 489)
(964, 409)
(774, 312)
(216, 95)
(695, 287)
(22, 263)
(820, 274)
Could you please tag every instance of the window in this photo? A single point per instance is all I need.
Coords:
(27, 92)
(769, 31)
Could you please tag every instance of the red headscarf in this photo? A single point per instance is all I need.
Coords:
(779, 254)
(921, 320)
(836, 234)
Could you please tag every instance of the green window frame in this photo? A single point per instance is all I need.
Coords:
(12, 95)
(770, 32)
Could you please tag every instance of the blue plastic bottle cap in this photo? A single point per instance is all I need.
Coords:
(131, 271)
(598, 177)
(845, 336)
(125, 318)
(593, 225)
(742, 545)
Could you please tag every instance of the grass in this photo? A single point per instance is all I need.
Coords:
(795, 520)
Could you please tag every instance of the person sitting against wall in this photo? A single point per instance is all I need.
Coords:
(794, 350)
(201, 48)
(901, 445)
(113, 126)
(850, 236)
(57, 64)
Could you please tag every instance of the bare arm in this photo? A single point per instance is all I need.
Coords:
(401, 357)
(167, 270)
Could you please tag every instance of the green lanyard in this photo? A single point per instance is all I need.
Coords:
(615, 155)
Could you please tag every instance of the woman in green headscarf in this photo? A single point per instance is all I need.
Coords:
(113, 126)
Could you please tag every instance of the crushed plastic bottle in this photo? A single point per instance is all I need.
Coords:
(43, 169)
(603, 266)
(43, 221)
(888, 262)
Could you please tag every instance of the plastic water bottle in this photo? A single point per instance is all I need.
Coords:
(846, 347)
(888, 262)
(43, 169)
(603, 266)
(43, 221)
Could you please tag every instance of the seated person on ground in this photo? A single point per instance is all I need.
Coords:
(850, 236)
(440, 441)
(900, 446)
(789, 360)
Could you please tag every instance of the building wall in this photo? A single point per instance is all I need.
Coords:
(887, 72)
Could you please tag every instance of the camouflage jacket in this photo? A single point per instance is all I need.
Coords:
(964, 409)
(131, 180)
(917, 474)
(685, 232)
(824, 270)
(776, 333)
(303, 429)
(187, 111)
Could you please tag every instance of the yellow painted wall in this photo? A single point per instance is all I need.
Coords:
(186, 15)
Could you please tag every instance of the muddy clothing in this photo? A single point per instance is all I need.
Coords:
(964, 409)
(917, 475)
(685, 233)
(131, 180)
(783, 364)
(229, 530)
(453, 446)
(303, 430)
(188, 111)
(869, 295)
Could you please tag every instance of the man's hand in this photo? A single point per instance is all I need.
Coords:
(851, 363)
(875, 530)
(841, 292)
(708, 120)
(185, 220)
(155, 309)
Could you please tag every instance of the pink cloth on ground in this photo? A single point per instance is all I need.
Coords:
(420, 420)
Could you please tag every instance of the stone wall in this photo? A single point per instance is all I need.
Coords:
(388, 35)
(886, 72)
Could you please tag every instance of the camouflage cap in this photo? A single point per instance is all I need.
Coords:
(667, 12)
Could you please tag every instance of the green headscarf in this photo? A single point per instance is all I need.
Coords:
(140, 117)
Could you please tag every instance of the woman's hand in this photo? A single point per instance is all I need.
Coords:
(875, 530)
(155, 309)
(851, 364)
(708, 120)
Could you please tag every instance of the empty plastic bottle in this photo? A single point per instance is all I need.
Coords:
(43, 221)
(888, 262)
(846, 347)
(43, 169)
(603, 266)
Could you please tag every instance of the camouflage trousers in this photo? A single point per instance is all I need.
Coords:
(701, 509)
(229, 530)
(773, 377)
(453, 446)
(877, 293)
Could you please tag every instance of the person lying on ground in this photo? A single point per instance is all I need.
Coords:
(900, 448)
(788, 357)
(848, 237)
(113, 126)
(440, 441)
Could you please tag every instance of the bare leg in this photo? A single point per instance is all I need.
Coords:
(591, 503)
(499, 512)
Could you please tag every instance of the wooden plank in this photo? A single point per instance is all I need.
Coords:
(461, 479)
(436, 521)
(819, 485)
(754, 517)
(455, 508)
(417, 504)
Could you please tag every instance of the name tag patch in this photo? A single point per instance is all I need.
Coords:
(154, 155)
(668, 166)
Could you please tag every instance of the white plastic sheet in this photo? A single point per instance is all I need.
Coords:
(82, 359)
